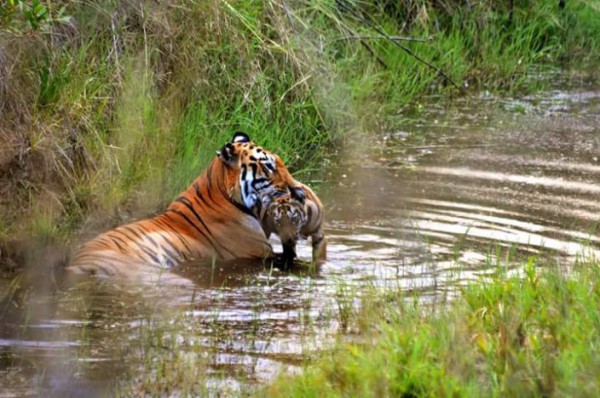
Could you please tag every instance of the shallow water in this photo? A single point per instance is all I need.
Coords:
(442, 200)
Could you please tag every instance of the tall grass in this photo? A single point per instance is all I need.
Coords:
(109, 108)
(535, 334)
(130, 100)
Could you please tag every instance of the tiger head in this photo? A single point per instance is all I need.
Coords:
(253, 172)
(283, 215)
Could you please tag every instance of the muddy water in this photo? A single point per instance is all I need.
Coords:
(445, 197)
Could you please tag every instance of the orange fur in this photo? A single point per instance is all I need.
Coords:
(211, 219)
(292, 218)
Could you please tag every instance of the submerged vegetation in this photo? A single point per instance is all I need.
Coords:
(535, 334)
(112, 107)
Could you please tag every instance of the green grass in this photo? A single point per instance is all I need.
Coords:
(535, 334)
(113, 107)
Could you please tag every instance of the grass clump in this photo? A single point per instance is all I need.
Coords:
(120, 106)
(531, 335)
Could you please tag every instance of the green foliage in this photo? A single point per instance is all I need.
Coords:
(130, 100)
(535, 334)
(23, 16)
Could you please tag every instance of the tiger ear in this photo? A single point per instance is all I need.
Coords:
(239, 136)
(298, 194)
(228, 154)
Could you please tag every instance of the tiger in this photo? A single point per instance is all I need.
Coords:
(292, 214)
(213, 218)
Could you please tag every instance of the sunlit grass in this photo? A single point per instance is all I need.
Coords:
(535, 334)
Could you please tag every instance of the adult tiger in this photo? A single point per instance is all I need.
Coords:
(211, 219)
(291, 214)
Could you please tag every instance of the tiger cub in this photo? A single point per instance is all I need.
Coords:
(291, 215)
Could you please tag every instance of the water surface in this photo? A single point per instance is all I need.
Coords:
(440, 200)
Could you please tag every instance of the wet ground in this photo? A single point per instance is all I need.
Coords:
(443, 199)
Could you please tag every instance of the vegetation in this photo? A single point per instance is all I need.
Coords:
(109, 108)
(535, 334)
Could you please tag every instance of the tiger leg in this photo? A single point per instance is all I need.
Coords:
(319, 247)
(289, 252)
(314, 227)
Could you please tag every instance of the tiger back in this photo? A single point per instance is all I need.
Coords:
(210, 219)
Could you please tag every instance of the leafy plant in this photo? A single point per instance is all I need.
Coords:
(22, 16)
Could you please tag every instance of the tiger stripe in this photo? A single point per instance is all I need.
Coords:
(212, 218)
(292, 215)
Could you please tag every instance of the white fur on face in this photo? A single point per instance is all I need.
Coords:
(254, 184)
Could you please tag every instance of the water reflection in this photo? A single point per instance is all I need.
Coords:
(423, 209)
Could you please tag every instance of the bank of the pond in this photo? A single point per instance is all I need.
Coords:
(109, 109)
(532, 334)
